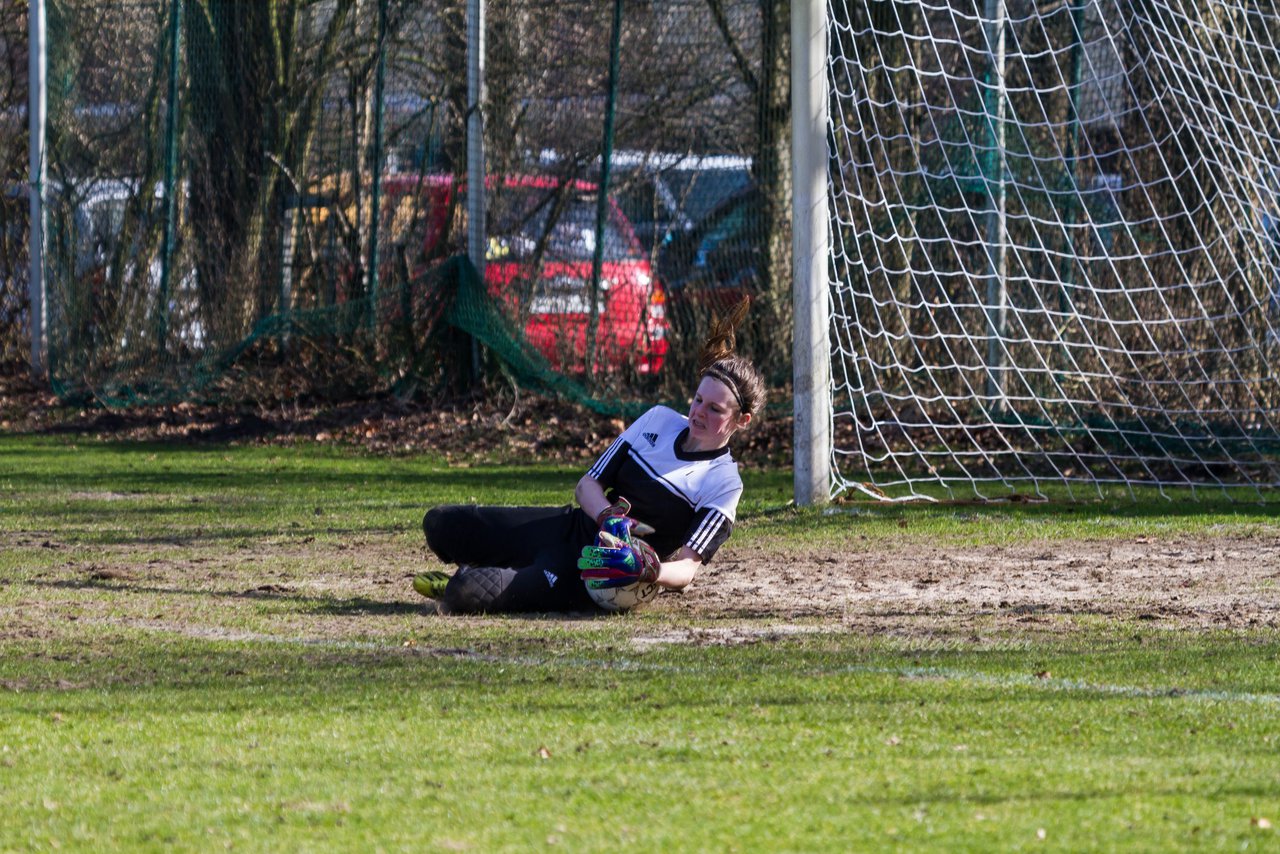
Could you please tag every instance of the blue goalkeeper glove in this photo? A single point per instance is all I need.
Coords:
(619, 561)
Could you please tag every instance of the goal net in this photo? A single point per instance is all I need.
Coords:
(1055, 245)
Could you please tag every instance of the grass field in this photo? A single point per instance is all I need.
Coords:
(213, 647)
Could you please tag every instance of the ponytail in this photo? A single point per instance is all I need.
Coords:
(718, 360)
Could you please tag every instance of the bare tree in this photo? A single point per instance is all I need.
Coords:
(14, 346)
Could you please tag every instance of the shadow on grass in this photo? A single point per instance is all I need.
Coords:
(269, 592)
(356, 606)
(149, 467)
(235, 540)
(362, 607)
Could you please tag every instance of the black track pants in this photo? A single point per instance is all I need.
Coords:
(512, 558)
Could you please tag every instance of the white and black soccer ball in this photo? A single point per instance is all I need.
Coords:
(627, 598)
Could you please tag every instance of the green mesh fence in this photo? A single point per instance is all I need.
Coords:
(269, 198)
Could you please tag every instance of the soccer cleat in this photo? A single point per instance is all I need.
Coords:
(431, 584)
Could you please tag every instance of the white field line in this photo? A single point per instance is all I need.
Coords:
(1051, 683)
(1046, 683)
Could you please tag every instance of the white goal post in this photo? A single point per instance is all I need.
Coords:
(811, 362)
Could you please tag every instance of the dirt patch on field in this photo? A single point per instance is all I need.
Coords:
(361, 591)
(1185, 582)
(295, 587)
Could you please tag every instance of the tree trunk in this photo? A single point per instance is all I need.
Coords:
(772, 315)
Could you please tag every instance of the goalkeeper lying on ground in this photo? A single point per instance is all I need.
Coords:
(668, 480)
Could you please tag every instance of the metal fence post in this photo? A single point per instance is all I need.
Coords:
(602, 195)
(37, 105)
(375, 208)
(476, 225)
(170, 172)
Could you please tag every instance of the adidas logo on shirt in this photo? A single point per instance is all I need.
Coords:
(651, 438)
(552, 578)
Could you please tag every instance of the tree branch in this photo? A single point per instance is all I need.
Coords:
(739, 58)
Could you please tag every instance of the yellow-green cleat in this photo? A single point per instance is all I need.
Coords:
(431, 584)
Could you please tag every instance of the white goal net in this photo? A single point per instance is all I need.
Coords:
(1055, 244)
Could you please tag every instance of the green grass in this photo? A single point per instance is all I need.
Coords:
(213, 646)
(206, 492)
(534, 734)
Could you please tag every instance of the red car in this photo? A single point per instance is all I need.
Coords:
(541, 245)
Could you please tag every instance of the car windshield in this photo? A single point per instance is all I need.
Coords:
(521, 215)
(700, 191)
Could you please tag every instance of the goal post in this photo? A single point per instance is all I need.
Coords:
(811, 371)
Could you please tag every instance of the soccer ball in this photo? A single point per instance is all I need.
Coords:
(627, 598)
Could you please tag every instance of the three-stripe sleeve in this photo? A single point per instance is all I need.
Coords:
(710, 529)
(606, 468)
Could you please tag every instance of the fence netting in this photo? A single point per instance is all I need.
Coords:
(269, 199)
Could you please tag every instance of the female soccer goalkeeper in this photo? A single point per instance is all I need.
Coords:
(671, 475)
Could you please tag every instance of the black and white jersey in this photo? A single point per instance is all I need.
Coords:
(690, 498)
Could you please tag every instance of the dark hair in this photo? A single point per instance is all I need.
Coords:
(718, 361)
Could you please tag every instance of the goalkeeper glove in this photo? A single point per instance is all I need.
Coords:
(620, 509)
(618, 562)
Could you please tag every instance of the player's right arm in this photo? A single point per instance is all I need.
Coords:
(589, 493)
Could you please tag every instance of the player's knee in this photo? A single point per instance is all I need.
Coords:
(477, 589)
(435, 525)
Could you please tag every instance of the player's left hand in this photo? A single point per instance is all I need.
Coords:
(617, 562)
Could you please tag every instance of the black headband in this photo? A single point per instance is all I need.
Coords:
(723, 376)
